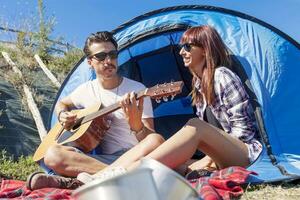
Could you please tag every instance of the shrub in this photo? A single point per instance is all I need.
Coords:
(62, 65)
(17, 169)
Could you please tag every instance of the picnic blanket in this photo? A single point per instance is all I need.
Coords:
(14, 189)
(222, 184)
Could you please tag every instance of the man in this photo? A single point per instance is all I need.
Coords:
(128, 126)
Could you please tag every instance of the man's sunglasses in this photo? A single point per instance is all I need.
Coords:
(102, 55)
(186, 46)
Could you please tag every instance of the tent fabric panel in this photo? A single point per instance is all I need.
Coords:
(272, 64)
(189, 17)
(148, 45)
(267, 172)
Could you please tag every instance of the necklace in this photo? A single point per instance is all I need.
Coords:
(103, 91)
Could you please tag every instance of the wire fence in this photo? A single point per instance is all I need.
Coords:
(60, 47)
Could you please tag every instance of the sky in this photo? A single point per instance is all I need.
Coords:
(76, 19)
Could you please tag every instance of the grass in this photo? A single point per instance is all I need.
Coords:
(287, 191)
(17, 169)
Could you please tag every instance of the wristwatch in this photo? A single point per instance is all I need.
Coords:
(138, 132)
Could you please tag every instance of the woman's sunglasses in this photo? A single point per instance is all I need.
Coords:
(186, 46)
(102, 55)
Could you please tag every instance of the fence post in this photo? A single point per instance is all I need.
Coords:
(30, 101)
(47, 71)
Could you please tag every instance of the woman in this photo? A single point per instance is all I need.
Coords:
(218, 88)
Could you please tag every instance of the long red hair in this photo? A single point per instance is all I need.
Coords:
(216, 54)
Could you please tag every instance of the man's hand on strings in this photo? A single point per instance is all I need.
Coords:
(67, 119)
(133, 110)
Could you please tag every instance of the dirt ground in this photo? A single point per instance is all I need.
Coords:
(277, 192)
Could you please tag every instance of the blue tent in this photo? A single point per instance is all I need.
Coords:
(266, 59)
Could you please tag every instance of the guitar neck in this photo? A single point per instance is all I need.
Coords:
(106, 110)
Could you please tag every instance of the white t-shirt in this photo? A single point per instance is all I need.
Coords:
(118, 137)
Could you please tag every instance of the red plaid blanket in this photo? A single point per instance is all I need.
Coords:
(222, 184)
(13, 189)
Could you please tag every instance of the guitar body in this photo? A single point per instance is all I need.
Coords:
(85, 137)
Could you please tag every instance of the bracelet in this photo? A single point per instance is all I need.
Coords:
(138, 132)
(58, 115)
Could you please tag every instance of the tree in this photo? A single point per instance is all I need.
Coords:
(45, 28)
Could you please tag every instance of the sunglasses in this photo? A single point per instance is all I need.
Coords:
(102, 55)
(186, 46)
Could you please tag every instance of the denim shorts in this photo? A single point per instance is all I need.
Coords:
(104, 158)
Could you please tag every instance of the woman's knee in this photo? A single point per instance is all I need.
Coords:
(154, 139)
(199, 126)
(151, 142)
(195, 122)
(54, 156)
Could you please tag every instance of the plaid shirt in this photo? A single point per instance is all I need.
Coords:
(232, 109)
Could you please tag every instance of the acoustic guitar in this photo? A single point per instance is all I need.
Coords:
(90, 126)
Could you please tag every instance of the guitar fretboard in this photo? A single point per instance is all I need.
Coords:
(104, 111)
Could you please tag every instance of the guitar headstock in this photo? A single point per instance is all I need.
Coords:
(164, 91)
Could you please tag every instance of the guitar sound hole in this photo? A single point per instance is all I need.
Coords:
(77, 124)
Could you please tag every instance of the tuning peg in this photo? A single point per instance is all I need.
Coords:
(165, 99)
(158, 100)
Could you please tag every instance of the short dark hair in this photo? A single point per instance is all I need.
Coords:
(98, 37)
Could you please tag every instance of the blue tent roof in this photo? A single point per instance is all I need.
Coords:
(269, 58)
